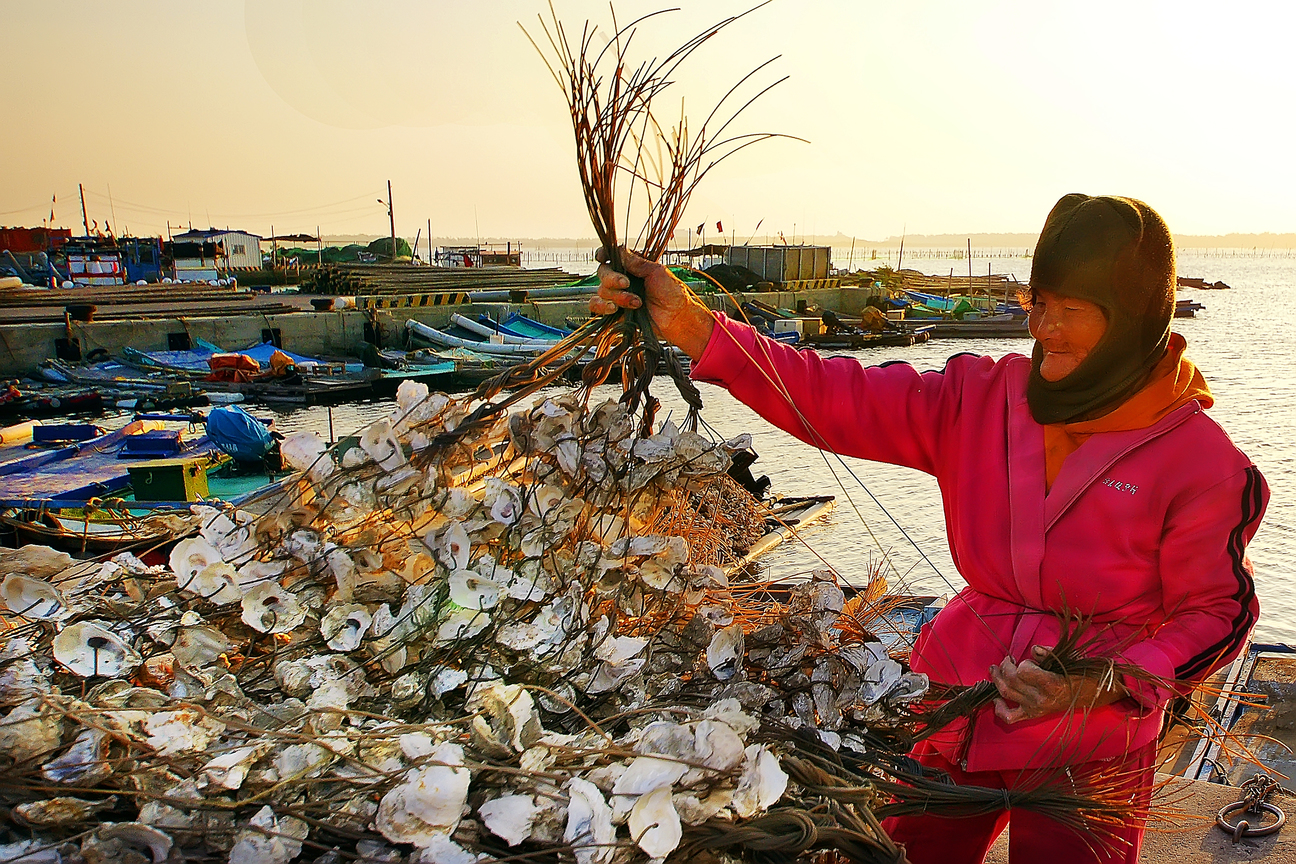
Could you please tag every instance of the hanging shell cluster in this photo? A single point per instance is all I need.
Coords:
(435, 652)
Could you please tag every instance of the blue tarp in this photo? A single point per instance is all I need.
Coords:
(238, 433)
(196, 360)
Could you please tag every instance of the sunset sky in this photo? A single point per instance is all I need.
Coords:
(922, 117)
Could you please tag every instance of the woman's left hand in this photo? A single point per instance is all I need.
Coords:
(1027, 691)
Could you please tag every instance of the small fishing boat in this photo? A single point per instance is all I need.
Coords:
(99, 467)
(517, 324)
(1197, 282)
(1256, 708)
(440, 338)
(495, 335)
(1187, 308)
(87, 530)
(988, 326)
(784, 517)
(861, 339)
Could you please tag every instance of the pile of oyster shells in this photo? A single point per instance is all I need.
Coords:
(425, 647)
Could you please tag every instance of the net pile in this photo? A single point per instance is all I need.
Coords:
(529, 641)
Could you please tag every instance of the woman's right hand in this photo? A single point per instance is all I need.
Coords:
(677, 316)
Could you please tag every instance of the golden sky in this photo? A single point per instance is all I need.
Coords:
(923, 117)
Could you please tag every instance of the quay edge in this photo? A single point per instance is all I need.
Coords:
(23, 346)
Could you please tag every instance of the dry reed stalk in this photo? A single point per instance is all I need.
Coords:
(624, 154)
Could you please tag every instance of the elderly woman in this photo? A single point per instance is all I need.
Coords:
(1086, 480)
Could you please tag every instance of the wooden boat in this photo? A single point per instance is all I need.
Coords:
(986, 327)
(1187, 308)
(517, 324)
(1197, 282)
(443, 339)
(848, 340)
(785, 516)
(82, 532)
(1256, 708)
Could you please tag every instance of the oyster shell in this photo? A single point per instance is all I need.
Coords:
(267, 608)
(31, 598)
(725, 653)
(90, 649)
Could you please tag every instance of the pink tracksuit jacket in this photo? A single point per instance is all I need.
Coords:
(1144, 531)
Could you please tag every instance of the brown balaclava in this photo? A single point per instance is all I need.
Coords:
(1117, 253)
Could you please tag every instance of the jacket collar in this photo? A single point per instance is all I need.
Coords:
(1090, 462)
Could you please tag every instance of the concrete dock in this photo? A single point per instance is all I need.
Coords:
(1191, 837)
(24, 344)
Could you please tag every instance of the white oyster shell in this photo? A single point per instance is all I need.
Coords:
(30, 730)
(725, 653)
(429, 802)
(89, 648)
(379, 442)
(85, 763)
(269, 839)
(462, 624)
(306, 451)
(589, 828)
(654, 824)
(879, 680)
(31, 598)
(267, 608)
(344, 626)
(473, 591)
(217, 583)
(762, 784)
(195, 647)
(181, 731)
(509, 817)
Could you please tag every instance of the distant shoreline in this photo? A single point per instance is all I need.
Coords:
(913, 241)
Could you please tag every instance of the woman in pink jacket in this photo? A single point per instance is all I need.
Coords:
(1085, 480)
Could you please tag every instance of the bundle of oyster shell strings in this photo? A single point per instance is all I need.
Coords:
(525, 644)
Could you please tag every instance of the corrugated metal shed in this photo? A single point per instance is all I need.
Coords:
(242, 250)
(782, 263)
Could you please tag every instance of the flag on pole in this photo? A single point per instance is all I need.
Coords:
(719, 227)
(701, 228)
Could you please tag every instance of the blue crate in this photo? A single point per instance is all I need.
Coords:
(61, 433)
(151, 445)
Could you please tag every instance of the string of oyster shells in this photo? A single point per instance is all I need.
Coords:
(428, 655)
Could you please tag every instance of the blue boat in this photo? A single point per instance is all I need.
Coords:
(517, 324)
(98, 467)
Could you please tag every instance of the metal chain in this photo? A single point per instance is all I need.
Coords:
(1254, 793)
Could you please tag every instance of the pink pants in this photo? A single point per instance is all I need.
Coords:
(1034, 838)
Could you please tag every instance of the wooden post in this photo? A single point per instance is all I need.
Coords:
(85, 220)
(392, 216)
(971, 290)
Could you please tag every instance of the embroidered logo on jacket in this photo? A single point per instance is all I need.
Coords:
(1119, 486)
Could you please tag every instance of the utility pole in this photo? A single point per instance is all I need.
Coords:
(85, 220)
(392, 217)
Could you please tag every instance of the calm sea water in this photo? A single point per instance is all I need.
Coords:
(1244, 342)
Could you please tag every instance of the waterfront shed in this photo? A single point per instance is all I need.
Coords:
(782, 264)
(241, 250)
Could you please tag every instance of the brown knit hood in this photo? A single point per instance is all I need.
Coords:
(1117, 253)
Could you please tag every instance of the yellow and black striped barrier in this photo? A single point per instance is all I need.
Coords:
(402, 301)
(809, 284)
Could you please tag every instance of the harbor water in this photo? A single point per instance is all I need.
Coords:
(891, 518)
